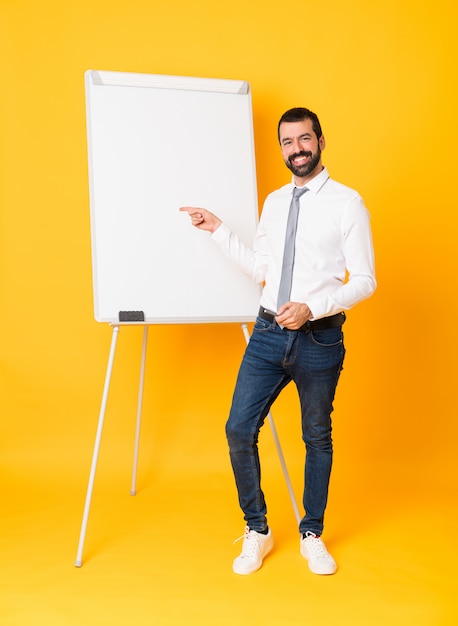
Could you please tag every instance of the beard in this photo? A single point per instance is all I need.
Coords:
(302, 171)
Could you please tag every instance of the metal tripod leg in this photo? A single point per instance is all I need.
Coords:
(95, 454)
(133, 489)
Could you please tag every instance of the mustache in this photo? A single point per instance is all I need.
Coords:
(303, 153)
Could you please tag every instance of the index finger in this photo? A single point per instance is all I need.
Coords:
(191, 210)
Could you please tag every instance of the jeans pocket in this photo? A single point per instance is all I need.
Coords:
(262, 325)
(329, 337)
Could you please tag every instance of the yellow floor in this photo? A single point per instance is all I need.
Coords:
(164, 556)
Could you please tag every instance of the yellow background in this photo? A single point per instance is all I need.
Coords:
(381, 76)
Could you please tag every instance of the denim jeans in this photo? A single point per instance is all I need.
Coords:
(274, 357)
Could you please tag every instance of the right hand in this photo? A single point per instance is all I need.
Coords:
(202, 219)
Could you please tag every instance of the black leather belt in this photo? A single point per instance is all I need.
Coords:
(333, 321)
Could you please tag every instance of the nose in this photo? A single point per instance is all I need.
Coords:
(296, 146)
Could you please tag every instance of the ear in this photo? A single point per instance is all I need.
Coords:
(322, 142)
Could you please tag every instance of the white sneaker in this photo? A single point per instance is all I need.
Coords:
(319, 559)
(255, 547)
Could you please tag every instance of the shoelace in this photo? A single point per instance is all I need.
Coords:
(250, 543)
(315, 545)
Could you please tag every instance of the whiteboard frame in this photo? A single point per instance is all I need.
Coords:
(96, 80)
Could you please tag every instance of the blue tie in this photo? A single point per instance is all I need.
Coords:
(284, 291)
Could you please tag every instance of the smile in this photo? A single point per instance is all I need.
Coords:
(300, 159)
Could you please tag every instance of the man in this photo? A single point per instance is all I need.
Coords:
(298, 332)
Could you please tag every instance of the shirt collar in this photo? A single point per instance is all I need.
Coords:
(317, 181)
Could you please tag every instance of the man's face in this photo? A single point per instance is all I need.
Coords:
(301, 149)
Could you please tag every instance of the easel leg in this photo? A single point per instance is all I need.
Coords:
(95, 454)
(279, 450)
(133, 489)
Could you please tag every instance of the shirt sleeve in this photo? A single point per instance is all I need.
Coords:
(358, 251)
(251, 262)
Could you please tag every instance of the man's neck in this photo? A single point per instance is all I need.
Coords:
(301, 181)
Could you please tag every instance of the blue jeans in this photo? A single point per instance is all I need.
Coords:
(273, 358)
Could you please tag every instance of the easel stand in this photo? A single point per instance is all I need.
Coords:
(98, 438)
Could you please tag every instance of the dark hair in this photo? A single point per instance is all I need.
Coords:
(297, 115)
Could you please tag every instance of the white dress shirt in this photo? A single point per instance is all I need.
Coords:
(334, 259)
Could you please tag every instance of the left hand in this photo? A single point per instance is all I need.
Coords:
(293, 315)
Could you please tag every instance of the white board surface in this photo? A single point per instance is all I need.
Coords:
(156, 143)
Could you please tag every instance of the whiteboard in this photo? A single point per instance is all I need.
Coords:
(156, 143)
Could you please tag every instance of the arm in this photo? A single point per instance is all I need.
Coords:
(250, 262)
(358, 252)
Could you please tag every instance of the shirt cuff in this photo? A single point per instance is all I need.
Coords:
(221, 233)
